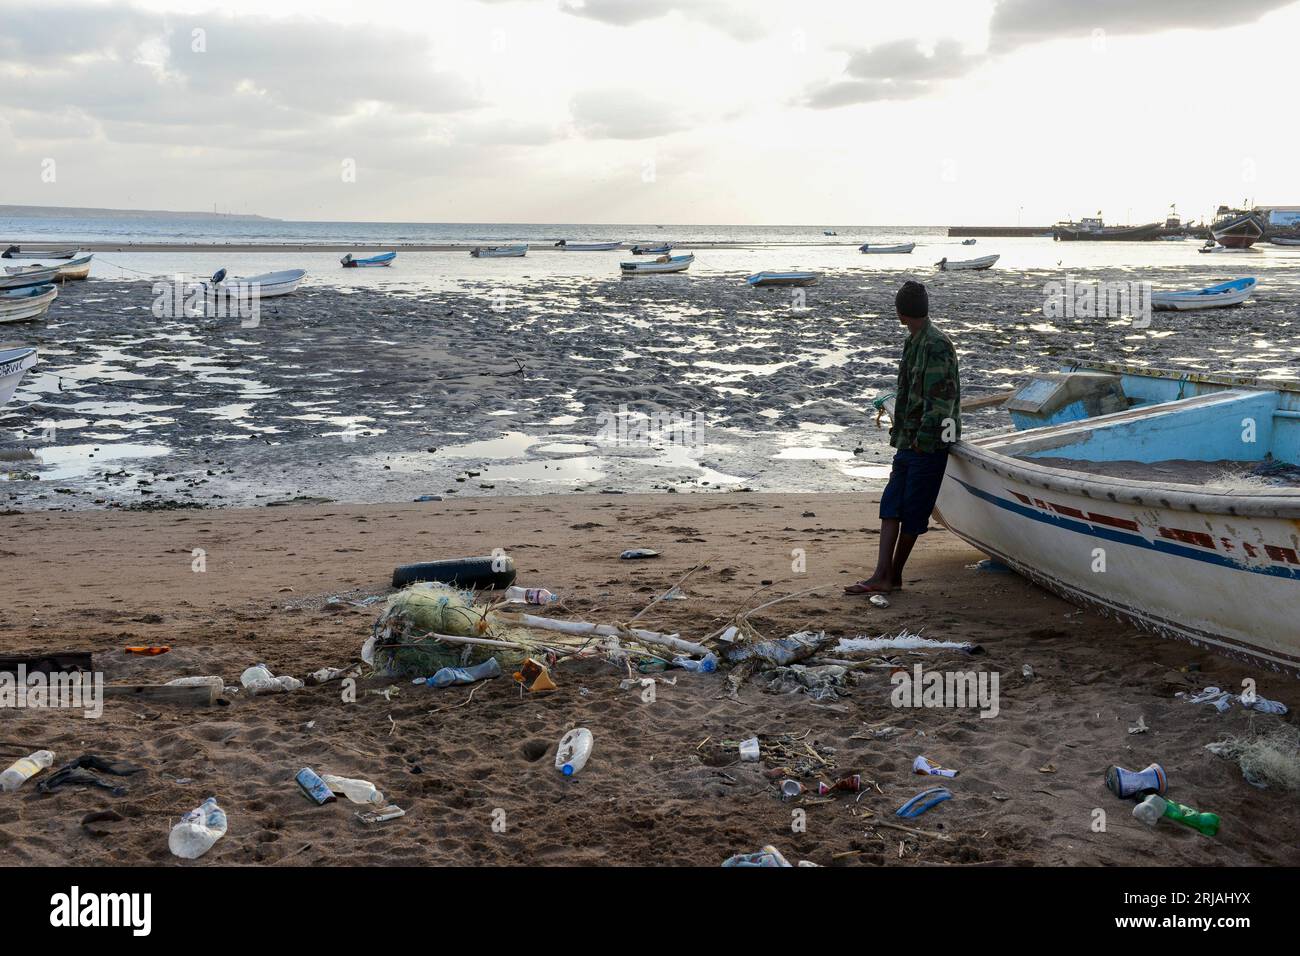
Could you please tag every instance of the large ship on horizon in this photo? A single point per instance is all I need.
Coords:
(1093, 229)
(1236, 228)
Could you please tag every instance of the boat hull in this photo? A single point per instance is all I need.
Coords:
(16, 253)
(14, 364)
(499, 252)
(24, 308)
(900, 249)
(1152, 230)
(985, 262)
(783, 279)
(1215, 297)
(29, 277)
(676, 264)
(588, 246)
(1240, 232)
(1225, 582)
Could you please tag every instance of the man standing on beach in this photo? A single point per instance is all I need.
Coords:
(927, 421)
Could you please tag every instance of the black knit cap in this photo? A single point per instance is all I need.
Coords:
(913, 301)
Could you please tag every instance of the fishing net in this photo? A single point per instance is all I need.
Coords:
(405, 644)
(1268, 759)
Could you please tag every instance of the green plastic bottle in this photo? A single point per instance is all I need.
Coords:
(1150, 810)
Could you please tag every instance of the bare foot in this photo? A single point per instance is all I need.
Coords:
(872, 585)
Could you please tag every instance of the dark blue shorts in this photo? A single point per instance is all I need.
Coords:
(913, 488)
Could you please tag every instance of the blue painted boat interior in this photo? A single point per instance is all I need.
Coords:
(1247, 425)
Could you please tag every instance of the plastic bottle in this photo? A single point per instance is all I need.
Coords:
(575, 748)
(260, 680)
(20, 771)
(447, 676)
(705, 665)
(530, 595)
(358, 791)
(198, 830)
(1150, 810)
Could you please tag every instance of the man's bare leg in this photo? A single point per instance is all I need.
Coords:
(887, 576)
(901, 552)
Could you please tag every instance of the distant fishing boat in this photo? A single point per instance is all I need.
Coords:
(1092, 229)
(902, 247)
(17, 252)
(499, 252)
(1236, 228)
(984, 262)
(1148, 469)
(268, 285)
(1218, 296)
(14, 364)
(78, 268)
(30, 302)
(829, 232)
(968, 242)
(20, 276)
(382, 259)
(783, 278)
(1281, 241)
(660, 265)
(660, 250)
(568, 246)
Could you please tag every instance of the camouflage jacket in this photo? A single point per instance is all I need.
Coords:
(929, 393)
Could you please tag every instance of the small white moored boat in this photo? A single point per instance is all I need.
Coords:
(902, 247)
(984, 262)
(568, 246)
(783, 278)
(660, 265)
(14, 364)
(264, 286)
(1218, 296)
(499, 252)
(18, 252)
(17, 278)
(29, 302)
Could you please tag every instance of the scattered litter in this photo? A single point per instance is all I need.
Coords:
(633, 554)
(1027, 672)
(706, 665)
(147, 649)
(850, 784)
(358, 791)
(198, 830)
(1150, 810)
(388, 693)
(1223, 701)
(781, 652)
(327, 674)
(922, 802)
(574, 750)
(390, 812)
(211, 681)
(769, 856)
(23, 769)
(879, 600)
(790, 789)
(314, 787)
(1268, 760)
(427, 498)
(824, 682)
(259, 680)
(902, 641)
(78, 773)
(518, 595)
(924, 766)
(1140, 727)
(989, 566)
(1129, 783)
(749, 749)
(534, 676)
(448, 676)
(1047, 768)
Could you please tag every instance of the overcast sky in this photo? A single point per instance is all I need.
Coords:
(656, 111)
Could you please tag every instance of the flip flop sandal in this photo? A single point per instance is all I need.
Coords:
(862, 588)
(923, 801)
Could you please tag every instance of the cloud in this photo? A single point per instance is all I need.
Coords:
(903, 70)
(736, 20)
(625, 114)
(900, 70)
(1019, 22)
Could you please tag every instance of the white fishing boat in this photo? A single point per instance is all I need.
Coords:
(499, 252)
(662, 249)
(350, 261)
(78, 268)
(783, 278)
(1139, 493)
(14, 364)
(1284, 241)
(1218, 296)
(661, 265)
(27, 303)
(902, 247)
(950, 265)
(18, 252)
(568, 246)
(265, 286)
(21, 276)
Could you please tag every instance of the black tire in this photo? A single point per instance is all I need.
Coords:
(478, 573)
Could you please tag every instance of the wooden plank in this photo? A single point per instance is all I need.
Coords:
(983, 401)
(46, 662)
(201, 696)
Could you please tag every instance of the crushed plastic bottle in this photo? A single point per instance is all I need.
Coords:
(575, 748)
(518, 595)
(22, 770)
(358, 791)
(705, 665)
(448, 676)
(198, 830)
(1150, 810)
(259, 680)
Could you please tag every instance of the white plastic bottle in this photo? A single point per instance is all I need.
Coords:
(575, 748)
(358, 791)
(198, 830)
(260, 680)
(518, 595)
(23, 770)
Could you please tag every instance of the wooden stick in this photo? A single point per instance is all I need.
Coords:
(680, 582)
(912, 830)
(607, 630)
(204, 695)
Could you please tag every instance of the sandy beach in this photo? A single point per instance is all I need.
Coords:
(661, 787)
